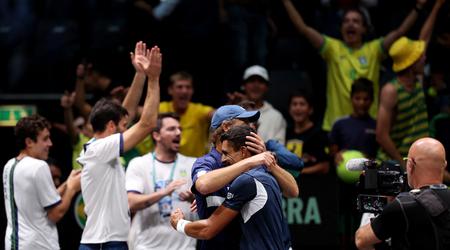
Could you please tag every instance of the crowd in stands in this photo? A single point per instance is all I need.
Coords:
(383, 83)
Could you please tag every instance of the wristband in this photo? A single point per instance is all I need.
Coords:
(181, 224)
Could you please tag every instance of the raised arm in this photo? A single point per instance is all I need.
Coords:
(131, 101)
(388, 101)
(427, 28)
(80, 97)
(147, 121)
(67, 101)
(219, 178)
(313, 36)
(203, 229)
(409, 21)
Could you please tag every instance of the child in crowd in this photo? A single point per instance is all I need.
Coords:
(357, 130)
(353, 132)
(304, 138)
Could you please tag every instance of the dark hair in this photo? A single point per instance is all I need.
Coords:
(362, 85)
(367, 23)
(52, 162)
(236, 136)
(159, 121)
(301, 93)
(106, 110)
(360, 11)
(180, 75)
(29, 127)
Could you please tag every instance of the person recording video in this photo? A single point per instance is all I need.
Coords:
(419, 219)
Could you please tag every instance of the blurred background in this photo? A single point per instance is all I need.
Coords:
(43, 41)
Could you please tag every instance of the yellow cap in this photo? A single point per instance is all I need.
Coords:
(405, 52)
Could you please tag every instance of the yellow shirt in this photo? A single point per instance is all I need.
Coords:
(344, 65)
(82, 139)
(195, 125)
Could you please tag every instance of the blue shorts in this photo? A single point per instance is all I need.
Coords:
(111, 245)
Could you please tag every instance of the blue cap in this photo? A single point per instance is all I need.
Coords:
(229, 112)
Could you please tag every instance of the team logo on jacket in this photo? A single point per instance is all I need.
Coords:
(230, 195)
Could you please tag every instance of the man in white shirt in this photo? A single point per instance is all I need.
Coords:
(157, 182)
(103, 177)
(32, 203)
(271, 124)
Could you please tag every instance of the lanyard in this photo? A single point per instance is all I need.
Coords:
(154, 169)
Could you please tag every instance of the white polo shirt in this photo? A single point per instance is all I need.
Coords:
(150, 230)
(103, 189)
(34, 191)
(272, 125)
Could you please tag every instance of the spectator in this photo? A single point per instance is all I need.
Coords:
(157, 182)
(356, 131)
(305, 139)
(402, 116)
(79, 131)
(271, 124)
(194, 117)
(95, 79)
(351, 58)
(55, 171)
(353, 132)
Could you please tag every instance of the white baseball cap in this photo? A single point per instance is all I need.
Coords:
(256, 70)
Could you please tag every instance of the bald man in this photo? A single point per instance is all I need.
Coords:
(419, 219)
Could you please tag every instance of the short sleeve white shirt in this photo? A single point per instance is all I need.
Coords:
(27, 195)
(271, 124)
(150, 230)
(103, 189)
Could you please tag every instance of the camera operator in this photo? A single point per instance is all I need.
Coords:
(419, 219)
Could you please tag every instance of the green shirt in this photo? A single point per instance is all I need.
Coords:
(82, 139)
(411, 119)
